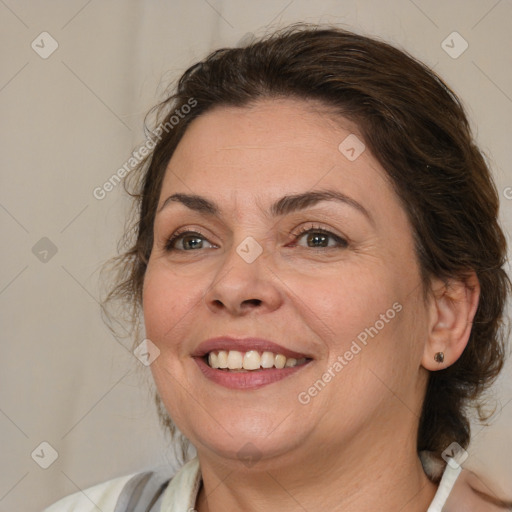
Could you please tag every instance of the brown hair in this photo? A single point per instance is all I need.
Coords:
(416, 128)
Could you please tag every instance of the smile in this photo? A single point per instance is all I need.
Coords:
(252, 360)
(240, 378)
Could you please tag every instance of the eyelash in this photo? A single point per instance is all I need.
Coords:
(170, 241)
(317, 229)
(342, 243)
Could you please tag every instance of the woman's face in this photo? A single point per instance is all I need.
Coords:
(334, 281)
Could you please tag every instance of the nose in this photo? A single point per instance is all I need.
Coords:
(240, 287)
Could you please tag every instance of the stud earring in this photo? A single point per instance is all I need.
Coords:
(439, 357)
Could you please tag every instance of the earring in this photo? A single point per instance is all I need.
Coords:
(439, 357)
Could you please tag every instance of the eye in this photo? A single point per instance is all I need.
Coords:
(319, 238)
(189, 240)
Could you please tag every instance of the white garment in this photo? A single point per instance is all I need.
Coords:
(100, 497)
(446, 484)
(181, 493)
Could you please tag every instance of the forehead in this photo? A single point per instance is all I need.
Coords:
(273, 129)
(272, 147)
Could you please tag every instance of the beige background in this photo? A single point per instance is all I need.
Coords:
(70, 121)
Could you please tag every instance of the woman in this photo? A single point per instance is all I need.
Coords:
(320, 270)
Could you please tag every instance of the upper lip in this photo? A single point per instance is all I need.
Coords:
(244, 345)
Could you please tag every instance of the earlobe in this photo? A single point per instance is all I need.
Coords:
(452, 308)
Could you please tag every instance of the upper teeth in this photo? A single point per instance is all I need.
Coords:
(250, 360)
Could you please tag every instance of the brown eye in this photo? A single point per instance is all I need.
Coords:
(318, 238)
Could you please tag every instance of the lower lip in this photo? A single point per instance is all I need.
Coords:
(252, 379)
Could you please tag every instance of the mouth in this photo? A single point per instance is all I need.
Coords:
(250, 361)
(247, 364)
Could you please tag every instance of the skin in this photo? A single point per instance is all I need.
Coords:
(358, 435)
(473, 494)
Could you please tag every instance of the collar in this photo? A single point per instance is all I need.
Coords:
(181, 493)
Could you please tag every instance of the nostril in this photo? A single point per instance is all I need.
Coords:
(254, 302)
(219, 304)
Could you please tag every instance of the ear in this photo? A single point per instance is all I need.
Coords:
(452, 308)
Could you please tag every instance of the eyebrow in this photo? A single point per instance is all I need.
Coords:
(284, 205)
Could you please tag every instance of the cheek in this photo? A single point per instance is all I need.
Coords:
(341, 305)
(167, 301)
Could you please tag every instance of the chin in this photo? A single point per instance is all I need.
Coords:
(247, 452)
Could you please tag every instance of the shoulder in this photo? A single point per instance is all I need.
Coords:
(474, 492)
(118, 493)
(103, 496)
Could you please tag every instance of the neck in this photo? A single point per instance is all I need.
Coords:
(384, 478)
